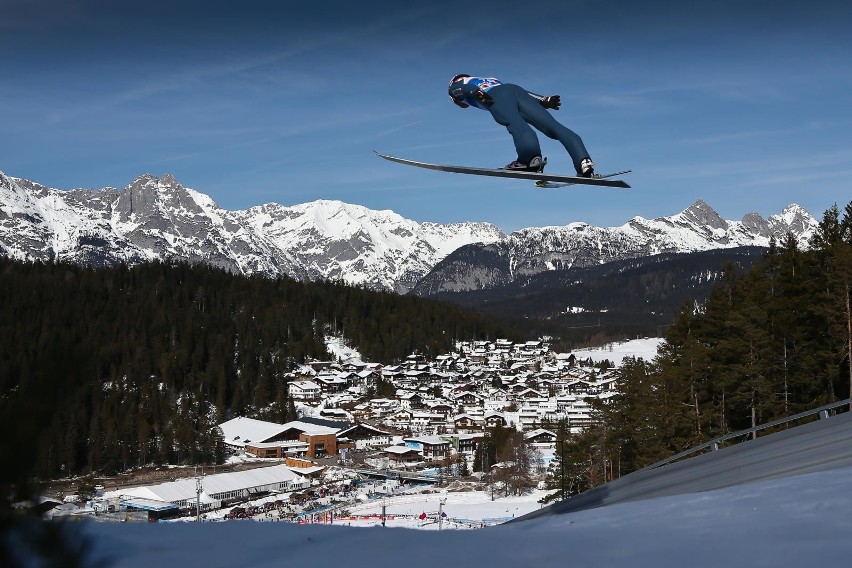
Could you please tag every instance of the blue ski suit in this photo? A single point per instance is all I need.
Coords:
(516, 108)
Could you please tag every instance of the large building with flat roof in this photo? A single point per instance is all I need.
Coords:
(183, 493)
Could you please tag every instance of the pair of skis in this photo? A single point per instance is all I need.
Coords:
(541, 179)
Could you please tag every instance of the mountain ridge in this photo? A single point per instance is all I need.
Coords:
(155, 218)
(159, 218)
(528, 252)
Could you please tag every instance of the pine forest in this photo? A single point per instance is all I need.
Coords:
(106, 369)
(767, 343)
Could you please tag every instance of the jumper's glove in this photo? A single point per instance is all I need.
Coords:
(553, 102)
(484, 98)
(461, 104)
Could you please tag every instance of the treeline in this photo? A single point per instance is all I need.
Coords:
(106, 369)
(768, 343)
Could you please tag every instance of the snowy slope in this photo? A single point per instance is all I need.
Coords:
(792, 521)
(615, 352)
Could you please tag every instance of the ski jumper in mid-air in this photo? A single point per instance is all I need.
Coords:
(516, 108)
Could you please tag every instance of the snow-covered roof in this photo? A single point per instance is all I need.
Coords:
(399, 450)
(241, 430)
(428, 440)
(183, 489)
(538, 432)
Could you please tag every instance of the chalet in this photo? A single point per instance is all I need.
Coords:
(411, 401)
(431, 447)
(331, 384)
(335, 414)
(530, 348)
(529, 394)
(353, 366)
(402, 454)
(541, 438)
(442, 409)
(609, 384)
(464, 443)
(468, 399)
(447, 362)
(304, 390)
(528, 418)
(400, 419)
(366, 436)
(423, 421)
(383, 406)
(465, 423)
(494, 419)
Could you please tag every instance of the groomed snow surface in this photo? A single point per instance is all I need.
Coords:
(614, 352)
(794, 521)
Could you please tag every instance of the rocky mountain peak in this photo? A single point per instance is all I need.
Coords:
(755, 223)
(700, 213)
(158, 218)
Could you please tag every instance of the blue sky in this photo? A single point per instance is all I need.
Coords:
(743, 104)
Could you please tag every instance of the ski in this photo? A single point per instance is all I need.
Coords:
(561, 180)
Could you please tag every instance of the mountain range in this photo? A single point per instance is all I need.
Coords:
(529, 252)
(158, 218)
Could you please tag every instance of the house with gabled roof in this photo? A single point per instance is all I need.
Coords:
(304, 390)
(541, 438)
(411, 400)
(465, 423)
(443, 409)
(365, 436)
(402, 454)
(400, 419)
(494, 419)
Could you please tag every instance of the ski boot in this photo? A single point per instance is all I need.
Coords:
(536, 165)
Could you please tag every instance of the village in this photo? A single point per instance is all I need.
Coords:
(367, 431)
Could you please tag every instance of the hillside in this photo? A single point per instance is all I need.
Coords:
(599, 303)
(104, 369)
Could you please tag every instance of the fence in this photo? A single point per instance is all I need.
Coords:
(712, 445)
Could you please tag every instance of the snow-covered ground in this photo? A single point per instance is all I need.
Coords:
(463, 510)
(338, 349)
(645, 348)
(794, 521)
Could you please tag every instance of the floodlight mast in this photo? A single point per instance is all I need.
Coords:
(198, 490)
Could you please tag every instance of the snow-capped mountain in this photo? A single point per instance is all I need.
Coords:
(535, 250)
(158, 218)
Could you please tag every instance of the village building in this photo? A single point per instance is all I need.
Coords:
(304, 390)
(365, 436)
(215, 489)
(541, 439)
(402, 454)
(431, 447)
(465, 423)
(268, 439)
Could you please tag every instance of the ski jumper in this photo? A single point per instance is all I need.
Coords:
(516, 108)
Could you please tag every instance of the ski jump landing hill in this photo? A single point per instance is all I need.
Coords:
(816, 446)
